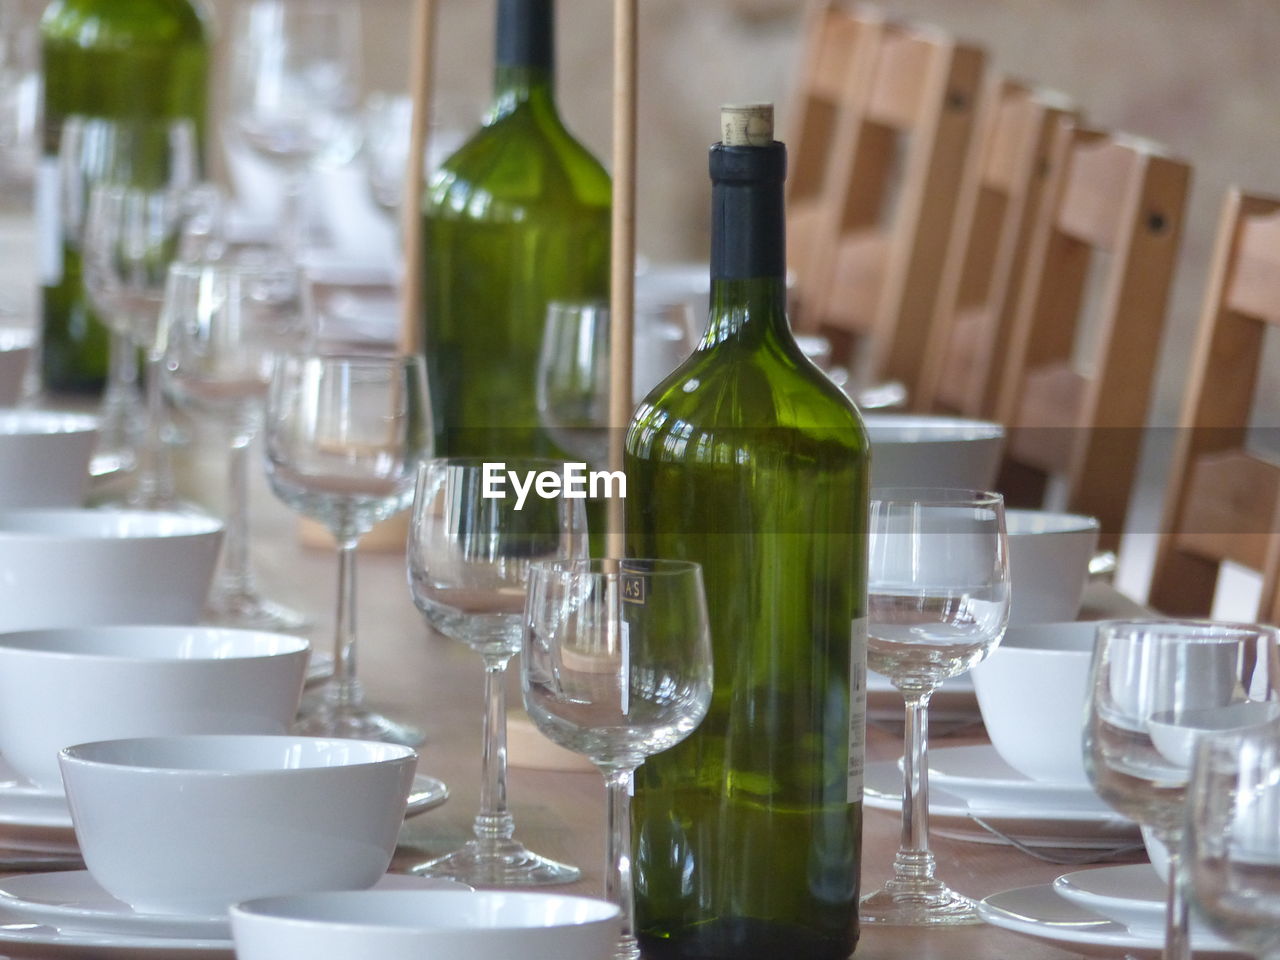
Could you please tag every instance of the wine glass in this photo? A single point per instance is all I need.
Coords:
(1156, 687)
(1231, 838)
(132, 233)
(469, 558)
(938, 603)
(153, 156)
(294, 91)
(617, 666)
(573, 378)
(221, 338)
(344, 437)
(386, 119)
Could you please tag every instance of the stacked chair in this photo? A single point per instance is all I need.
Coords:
(966, 234)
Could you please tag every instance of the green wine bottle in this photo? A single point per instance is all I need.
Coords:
(516, 218)
(117, 60)
(747, 459)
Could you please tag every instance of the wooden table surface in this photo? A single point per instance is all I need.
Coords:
(419, 676)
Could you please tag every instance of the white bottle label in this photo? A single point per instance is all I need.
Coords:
(48, 208)
(857, 707)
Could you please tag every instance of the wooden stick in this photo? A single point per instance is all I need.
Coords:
(622, 286)
(420, 88)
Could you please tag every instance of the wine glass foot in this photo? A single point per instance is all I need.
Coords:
(348, 723)
(626, 948)
(918, 904)
(250, 610)
(499, 863)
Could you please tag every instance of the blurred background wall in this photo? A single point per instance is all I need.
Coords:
(1199, 76)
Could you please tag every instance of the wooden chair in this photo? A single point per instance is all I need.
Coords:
(1005, 176)
(868, 268)
(1116, 206)
(1223, 502)
(839, 49)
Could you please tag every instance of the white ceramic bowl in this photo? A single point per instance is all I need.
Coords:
(190, 825)
(59, 687)
(922, 451)
(1032, 691)
(1049, 556)
(425, 925)
(16, 351)
(68, 568)
(44, 458)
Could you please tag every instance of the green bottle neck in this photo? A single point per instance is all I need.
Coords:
(748, 246)
(747, 311)
(514, 86)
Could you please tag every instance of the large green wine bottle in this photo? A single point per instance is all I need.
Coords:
(747, 459)
(117, 60)
(516, 218)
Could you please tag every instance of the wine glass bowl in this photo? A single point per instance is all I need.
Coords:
(1155, 688)
(344, 437)
(605, 677)
(938, 604)
(470, 554)
(294, 91)
(573, 378)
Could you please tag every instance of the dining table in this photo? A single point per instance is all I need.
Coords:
(417, 675)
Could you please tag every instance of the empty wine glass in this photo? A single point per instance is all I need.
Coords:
(294, 91)
(154, 157)
(1231, 838)
(1156, 687)
(617, 666)
(387, 119)
(573, 378)
(344, 438)
(938, 603)
(469, 558)
(132, 233)
(222, 335)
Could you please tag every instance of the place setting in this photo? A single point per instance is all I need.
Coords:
(1176, 712)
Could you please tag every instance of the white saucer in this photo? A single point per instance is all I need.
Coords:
(1087, 825)
(1040, 913)
(67, 915)
(72, 900)
(1131, 894)
(979, 775)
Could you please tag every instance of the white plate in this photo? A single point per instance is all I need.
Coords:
(72, 901)
(1040, 913)
(1089, 826)
(977, 774)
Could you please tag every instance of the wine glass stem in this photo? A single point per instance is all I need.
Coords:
(494, 821)
(914, 862)
(1177, 922)
(236, 575)
(292, 211)
(617, 885)
(154, 486)
(343, 689)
